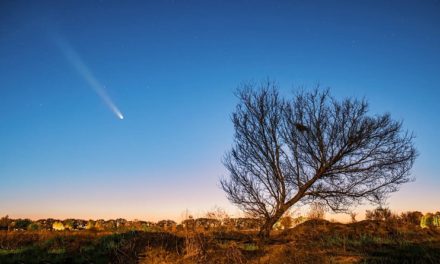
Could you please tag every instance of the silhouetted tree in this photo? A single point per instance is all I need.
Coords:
(380, 214)
(412, 218)
(22, 224)
(5, 222)
(311, 148)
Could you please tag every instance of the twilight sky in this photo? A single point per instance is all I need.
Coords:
(170, 68)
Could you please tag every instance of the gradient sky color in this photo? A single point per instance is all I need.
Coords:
(171, 67)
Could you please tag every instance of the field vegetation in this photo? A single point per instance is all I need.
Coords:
(383, 237)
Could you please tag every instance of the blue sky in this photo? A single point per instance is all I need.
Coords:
(171, 67)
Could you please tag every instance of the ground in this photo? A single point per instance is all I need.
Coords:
(315, 241)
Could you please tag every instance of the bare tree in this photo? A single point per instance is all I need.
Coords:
(312, 148)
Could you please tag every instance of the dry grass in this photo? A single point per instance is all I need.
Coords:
(315, 241)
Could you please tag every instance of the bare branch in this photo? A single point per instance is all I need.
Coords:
(311, 148)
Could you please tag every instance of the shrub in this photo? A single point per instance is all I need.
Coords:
(4, 222)
(298, 220)
(353, 217)
(167, 225)
(33, 227)
(317, 211)
(90, 225)
(58, 226)
(412, 218)
(430, 220)
(21, 224)
(286, 222)
(70, 224)
(380, 213)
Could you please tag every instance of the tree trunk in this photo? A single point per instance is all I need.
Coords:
(266, 228)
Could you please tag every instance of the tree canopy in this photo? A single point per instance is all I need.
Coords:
(311, 147)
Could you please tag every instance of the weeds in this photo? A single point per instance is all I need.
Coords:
(316, 241)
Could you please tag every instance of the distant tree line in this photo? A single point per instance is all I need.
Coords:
(428, 220)
(199, 224)
(210, 222)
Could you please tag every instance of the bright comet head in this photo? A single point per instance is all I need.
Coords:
(120, 116)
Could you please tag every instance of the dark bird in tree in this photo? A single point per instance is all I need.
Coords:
(301, 127)
(312, 148)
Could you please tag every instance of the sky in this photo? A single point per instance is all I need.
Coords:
(122, 108)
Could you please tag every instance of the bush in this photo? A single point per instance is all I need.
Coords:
(21, 224)
(317, 211)
(412, 218)
(430, 220)
(33, 227)
(90, 225)
(286, 222)
(353, 217)
(380, 213)
(58, 226)
(4, 222)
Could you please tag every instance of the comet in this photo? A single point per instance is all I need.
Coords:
(78, 64)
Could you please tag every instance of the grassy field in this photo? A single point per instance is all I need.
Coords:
(315, 241)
